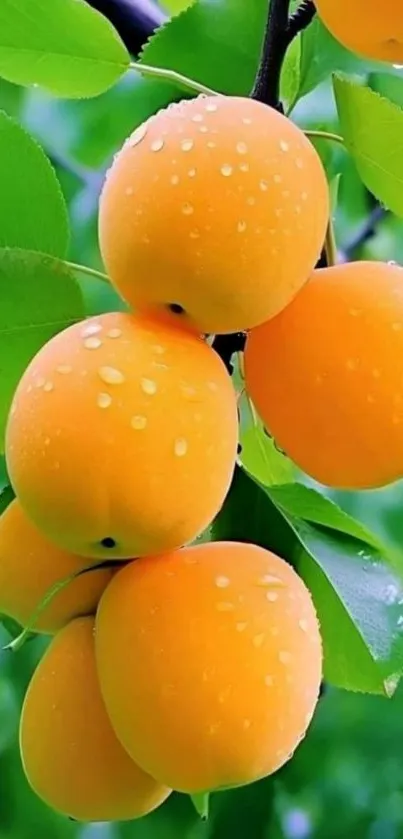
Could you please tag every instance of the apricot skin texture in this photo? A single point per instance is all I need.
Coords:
(70, 754)
(210, 663)
(218, 204)
(368, 27)
(326, 376)
(30, 566)
(122, 437)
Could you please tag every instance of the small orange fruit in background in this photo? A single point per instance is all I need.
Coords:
(326, 375)
(210, 663)
(70, 754)
(367, 27)
(122, 437)
(215, 208)
(30, 565)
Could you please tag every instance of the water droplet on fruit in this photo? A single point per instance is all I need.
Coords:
(157, 145)
(226, 170)
(148, 386)
(111, 376)
(92, 343)
(138, 422)
(222, 582)
(104, 400)
(180, 447)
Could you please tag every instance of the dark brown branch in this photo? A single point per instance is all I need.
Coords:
(280, 31)
(267, 83)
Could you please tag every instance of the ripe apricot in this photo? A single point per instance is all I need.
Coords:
(70, 753)
(215, 209)
(367, 27)
(210, 663)
(30, 565)
(122, 437)
(326, 379)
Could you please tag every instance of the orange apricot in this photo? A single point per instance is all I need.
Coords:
(215, 209)
(122, 437)
(30, 566)
(70, 754)
(367, 27)
(209, 661)
(325, 375)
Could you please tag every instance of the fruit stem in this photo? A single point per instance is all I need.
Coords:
(85, 269)
(330, 245)
(324, 135)
(172, 76)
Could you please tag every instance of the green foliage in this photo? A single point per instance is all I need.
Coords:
(27, 181)
(39, 297)
(373, 128)
(63, 45)
(228, 32)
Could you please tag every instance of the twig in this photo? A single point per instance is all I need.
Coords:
(366, 232)
(301, 18)
(227, 345)
(134, 20)
(280, 31)
(267, 84)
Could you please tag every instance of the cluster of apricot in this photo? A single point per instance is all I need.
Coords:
(192, 667)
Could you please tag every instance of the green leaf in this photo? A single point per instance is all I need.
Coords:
(38, 298)
(175, 6)
(201, 803)
(64, 46)
(216, 43)
(6, 497)
(357, 592)
(311, 506)
(313, 56)
(373, 133)
(33, 213)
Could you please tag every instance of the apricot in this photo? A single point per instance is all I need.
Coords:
(70, 754)
(215, 210)
(367, 27)
(30, 566)
(210, 663)
(326, 378)
(122, 437)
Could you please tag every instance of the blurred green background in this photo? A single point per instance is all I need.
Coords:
(346, 779)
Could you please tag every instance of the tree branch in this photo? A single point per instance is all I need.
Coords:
(267, 84)
(366, 233)
(227, 345)
(280, 31)
(134, 20)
